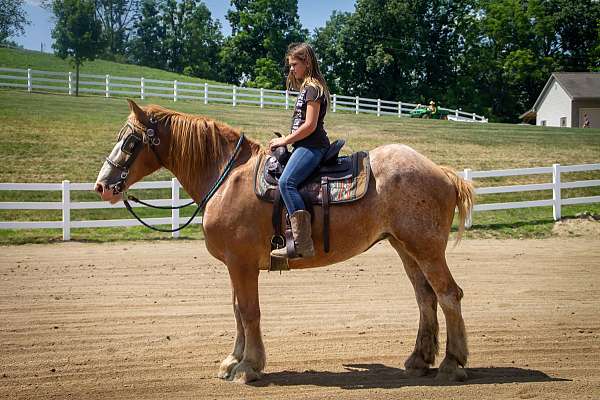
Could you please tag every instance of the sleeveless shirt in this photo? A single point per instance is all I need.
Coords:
(317, 139)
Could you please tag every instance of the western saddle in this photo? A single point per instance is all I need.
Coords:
(336, 180)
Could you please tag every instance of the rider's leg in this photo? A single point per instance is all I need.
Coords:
(300, 166)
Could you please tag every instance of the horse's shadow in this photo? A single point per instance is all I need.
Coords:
(371, 376)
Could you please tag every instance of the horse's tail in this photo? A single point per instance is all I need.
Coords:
(464, 201)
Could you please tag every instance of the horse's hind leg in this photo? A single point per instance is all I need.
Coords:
(426, 345)
(432, 261)
(232, 360)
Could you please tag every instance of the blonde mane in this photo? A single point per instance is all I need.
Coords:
(197, 142)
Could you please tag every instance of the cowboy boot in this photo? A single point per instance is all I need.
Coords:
(301, 232)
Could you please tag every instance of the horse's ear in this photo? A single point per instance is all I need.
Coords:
(138, 112)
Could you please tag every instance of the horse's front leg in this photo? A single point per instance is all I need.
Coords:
(232, 360)
(244, 280)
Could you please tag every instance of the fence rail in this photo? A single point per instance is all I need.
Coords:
(109, 85)
(66, 205)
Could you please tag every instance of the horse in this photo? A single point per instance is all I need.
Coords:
(410, 202)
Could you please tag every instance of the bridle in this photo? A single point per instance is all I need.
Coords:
(132, 146)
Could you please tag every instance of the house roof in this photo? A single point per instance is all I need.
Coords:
(578, 85)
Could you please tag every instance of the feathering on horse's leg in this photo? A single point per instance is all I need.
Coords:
(233, 359)
(426, 344)
(245, 285)
(449, 295)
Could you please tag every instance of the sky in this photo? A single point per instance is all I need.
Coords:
(313, 14)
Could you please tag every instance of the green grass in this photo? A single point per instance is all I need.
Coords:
(50, 137)
(18, 58)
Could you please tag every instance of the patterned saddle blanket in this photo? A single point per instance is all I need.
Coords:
(346, 179)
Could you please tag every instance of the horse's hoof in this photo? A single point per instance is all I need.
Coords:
(417, 372)
(227, 366)
(457, 375)
(416, 366)
(244, 373)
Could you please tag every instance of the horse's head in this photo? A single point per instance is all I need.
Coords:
(140, 150)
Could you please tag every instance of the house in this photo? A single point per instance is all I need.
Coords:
(566, 99)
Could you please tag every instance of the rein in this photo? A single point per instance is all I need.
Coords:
(200, 206)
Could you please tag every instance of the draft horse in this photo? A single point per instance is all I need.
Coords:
(410, 202)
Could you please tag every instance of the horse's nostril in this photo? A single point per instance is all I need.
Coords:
(99, 188)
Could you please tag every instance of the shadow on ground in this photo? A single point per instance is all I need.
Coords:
(371, 376)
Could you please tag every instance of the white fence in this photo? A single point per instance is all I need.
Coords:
(108, 85)
(66, 205)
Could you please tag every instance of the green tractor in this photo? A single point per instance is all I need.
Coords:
(431, 112)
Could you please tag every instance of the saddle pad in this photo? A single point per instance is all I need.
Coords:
(342, 189)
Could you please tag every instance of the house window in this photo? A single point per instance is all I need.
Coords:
(543, 123)
(563, 122)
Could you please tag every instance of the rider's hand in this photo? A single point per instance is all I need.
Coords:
(276, 142)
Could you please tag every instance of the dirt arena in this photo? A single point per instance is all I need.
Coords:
(152, 320)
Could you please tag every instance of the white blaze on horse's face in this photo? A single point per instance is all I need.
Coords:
(109, 175)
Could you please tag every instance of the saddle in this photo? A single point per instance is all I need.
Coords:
(337, 180)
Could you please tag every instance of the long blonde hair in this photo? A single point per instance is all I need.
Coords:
(313, 76)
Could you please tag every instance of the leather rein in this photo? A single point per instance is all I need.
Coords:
(132, 146)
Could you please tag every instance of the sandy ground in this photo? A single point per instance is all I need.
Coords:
(153, 320)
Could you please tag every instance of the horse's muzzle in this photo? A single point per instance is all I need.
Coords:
(107, 194)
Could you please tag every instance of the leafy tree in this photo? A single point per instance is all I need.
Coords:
(577, 29)
(13, 19)
(76, 33)
(177, 36)
(267, 74)
(329, 45)
(202, 41)
(148, 35)
(391, 48)
(117, 17)
(261, 29)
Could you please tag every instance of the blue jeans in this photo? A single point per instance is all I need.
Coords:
(302, 163)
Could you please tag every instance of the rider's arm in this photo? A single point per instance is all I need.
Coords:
(309, 125)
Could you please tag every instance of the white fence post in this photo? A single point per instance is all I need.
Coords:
(205, 93)
(334, 102)
(107, 88)
(469, 178)
(474, 119)
(357, 104)
(399, 109)
(379, 107)
(556, 203)
(29, 80)
(175, 90)
(234, 96)
(142, 88)
(287, 98)
(456, 113)
(174, 203)
(66, 210)
(70, 83)
(262, 101)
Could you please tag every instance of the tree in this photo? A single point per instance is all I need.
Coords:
(202, 41)
(177, 36)
(77, 32)
(261, 29)
(117, 17)
(577, 29)
(13, 19)
(149, 33)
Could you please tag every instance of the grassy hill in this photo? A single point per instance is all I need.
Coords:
(51, 137)
(18, 58)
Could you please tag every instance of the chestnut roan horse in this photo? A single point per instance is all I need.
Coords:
(410, 202)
